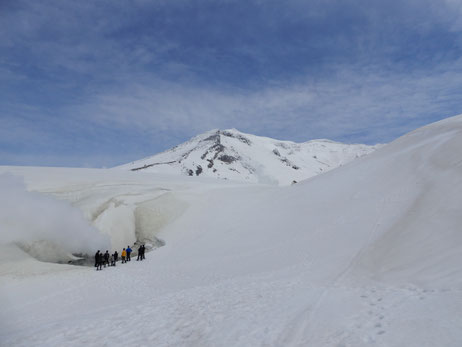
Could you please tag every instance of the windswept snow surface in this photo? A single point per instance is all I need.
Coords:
(233, 155)
(364, 255)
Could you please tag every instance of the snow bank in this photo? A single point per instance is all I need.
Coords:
(136, 217)
(121, 207)
(153, 215)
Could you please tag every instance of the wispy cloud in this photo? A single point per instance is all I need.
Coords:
(125, 79)
(355, 104)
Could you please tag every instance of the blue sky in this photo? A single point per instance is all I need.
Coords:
(101, 83)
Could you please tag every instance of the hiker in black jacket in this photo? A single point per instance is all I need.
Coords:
(106, 258)
(99, 265)
(140, 253)
(97, 259)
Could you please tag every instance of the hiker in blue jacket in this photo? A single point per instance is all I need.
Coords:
(129, 250)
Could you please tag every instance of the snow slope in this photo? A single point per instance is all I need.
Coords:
(365, 255)
(230, 154)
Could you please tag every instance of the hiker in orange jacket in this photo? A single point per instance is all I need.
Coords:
(124, 256)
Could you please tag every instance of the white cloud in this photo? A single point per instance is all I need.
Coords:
(81, 76)
(380, 104)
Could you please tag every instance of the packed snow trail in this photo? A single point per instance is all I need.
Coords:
(300, 330)
(130, 303)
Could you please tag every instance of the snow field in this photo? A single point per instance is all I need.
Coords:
(364, 255)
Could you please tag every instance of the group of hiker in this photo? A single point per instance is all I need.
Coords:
(103, 259)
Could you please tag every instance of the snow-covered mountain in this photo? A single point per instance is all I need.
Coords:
(231, 154)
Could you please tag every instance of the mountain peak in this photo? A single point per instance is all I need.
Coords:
(231, 154)
(217, 134)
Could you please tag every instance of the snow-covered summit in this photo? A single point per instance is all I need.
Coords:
(231, 154)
